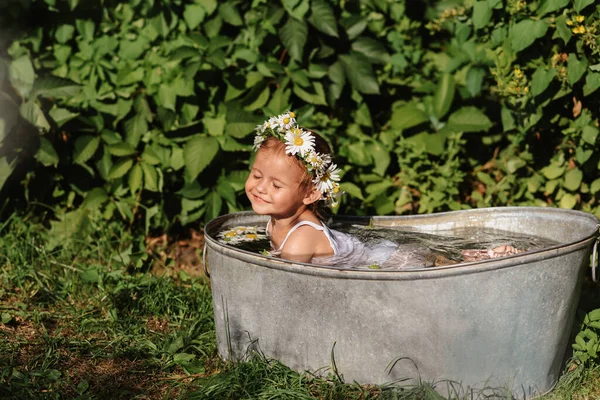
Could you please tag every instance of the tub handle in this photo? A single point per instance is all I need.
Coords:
(206, 271)
(594, 257)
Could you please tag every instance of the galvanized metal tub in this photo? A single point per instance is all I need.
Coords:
(496, 323)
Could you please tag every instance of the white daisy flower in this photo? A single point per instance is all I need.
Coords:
(326, 180)
(298, 141)
(241, 234)
(315, 160)
(273, 123)
(286, 121)
(258, 141)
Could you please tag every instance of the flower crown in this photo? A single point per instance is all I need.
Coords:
(301, 144)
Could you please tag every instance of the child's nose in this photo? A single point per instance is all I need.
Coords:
(261, 186)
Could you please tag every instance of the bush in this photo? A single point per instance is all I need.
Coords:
(144, 110)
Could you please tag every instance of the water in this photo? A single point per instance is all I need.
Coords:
(440, 248)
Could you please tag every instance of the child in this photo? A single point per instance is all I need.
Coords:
(292, 174)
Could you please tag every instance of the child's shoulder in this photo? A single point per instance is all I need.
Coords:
(306, 232)
(307, 241)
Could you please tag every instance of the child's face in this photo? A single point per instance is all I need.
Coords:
(274, 184)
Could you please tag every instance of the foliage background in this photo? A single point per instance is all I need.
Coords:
(142, 111)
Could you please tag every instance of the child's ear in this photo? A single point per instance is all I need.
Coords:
(312, 196)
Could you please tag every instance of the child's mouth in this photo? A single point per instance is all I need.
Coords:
(259, 199)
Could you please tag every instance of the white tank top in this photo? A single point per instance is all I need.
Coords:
(348, 251)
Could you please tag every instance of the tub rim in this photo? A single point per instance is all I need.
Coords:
(471, 267)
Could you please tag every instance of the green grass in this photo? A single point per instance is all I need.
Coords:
(81, 321)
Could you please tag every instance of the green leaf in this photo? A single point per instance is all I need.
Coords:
(474, 82)
(575, 68)
(378, 187)
(482, 14)
(230, 14)
(469, 119)
(323, 18)
(317, 96)
(61, 115)
(53, 86)
(553, 171)
(121, 149)
(568, 201)
(541, 79)
(198, 153)
(358, 155)
(514, 163)
(150, 156)
(508, 121)
(595, 186)
(432, 143)
(91, 275)
(150, 177)
(280, 101)
(260, 100)
(167, 97)
(581, 155)
(213, 205)
(359, 72)
(46, 153)
(549, 6)
(120, 168)
(6, 318)
(193, 15)
(363, 116)
(444, 94)
(589, 134)
(214, 126)
(581, 4)
(34, 114)
(240, 123)
(408, 116)
(135, 179)
(85, 147)
(573, 179)
(296, 8)
(64, 33)
(592, 83)
(562, 30)
(183, 358)
(135, 127)
(524, 33)
(95, 198)
(352, 190)
(209, 5)
(86, 28)
(373, 49)
(293, 36)
(226, 191)
(227, 143)
(22, 75)
(133, 49)
(381, 157)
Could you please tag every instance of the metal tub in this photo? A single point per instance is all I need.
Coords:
(502, 322)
